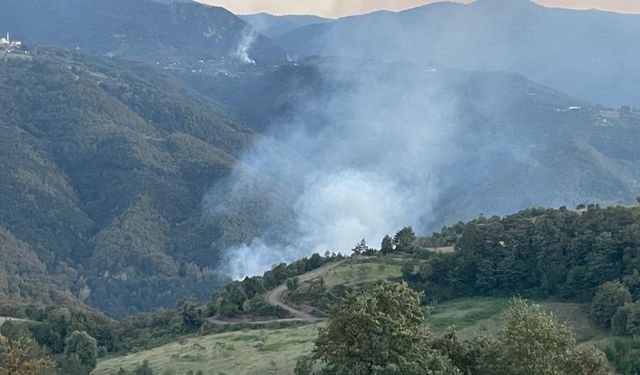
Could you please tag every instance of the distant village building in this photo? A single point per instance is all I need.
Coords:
(7, 43)
(610, 115)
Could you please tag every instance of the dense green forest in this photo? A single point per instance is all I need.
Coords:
(124, 185)
(104, 168)
(540, 253)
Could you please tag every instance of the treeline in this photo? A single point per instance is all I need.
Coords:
(384, 333)
(247, 297)
(537, 253)
(613, 308)
(68, 339)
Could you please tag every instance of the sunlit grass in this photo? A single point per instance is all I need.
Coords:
(244, 352)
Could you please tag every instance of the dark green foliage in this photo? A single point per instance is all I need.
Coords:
(83, 348)
(448, 236)
(360, 248)
(381, 332)
(143, 369)
(293, 283)
(531, 343)
(541, 253)
(609, 297)
(404, 240)
(190, 314)
(384, 332)
(304, 366)
(464, 355)
(624, 355)
(632, 312)
(387, 245)
(107, 163)
(247, 297)
(59, 322)
(315, 293)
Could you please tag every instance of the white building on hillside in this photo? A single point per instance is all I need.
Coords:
(6, 42)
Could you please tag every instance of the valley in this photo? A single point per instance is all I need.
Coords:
(181, 189)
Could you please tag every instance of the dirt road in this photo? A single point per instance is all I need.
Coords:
(275, 297)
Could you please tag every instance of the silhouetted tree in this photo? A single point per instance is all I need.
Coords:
(360, 248)
(387, 245)
(404, 239)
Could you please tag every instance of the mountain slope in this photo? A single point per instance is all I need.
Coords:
(275, 26)
(587, 54)
(514, 143)
(105, 166)
(169, 34)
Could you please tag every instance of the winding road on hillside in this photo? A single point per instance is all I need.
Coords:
(275, 297)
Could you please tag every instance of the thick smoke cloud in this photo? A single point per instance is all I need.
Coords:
(387, 144)
(373, 150)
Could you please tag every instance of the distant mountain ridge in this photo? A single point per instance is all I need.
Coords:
(168, 33)
(275, 26)
(587, 54)
(523, 144)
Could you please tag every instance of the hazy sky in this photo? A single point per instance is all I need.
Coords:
(338, 8)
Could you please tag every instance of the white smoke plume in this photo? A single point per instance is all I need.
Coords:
(370, 169)
(249, 36)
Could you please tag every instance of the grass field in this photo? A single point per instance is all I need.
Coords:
(363, 272)
(275, 351)
(470, 316)
(484, 315)
(250, 352)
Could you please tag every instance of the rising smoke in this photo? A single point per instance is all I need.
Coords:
(248, 38)
(391, 144)
(371, 165)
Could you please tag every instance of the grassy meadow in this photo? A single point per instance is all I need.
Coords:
(275, 350)
(247, 352)
(363, 272)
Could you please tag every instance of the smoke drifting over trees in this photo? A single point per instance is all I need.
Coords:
(372, 152)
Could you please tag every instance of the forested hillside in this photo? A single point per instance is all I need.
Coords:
(105, 165)
(170, 34)
(539, 253)
(513, 143)
(110, 165)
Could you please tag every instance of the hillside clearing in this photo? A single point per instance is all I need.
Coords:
(250, 352)
(362, 272)
(274, 351)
